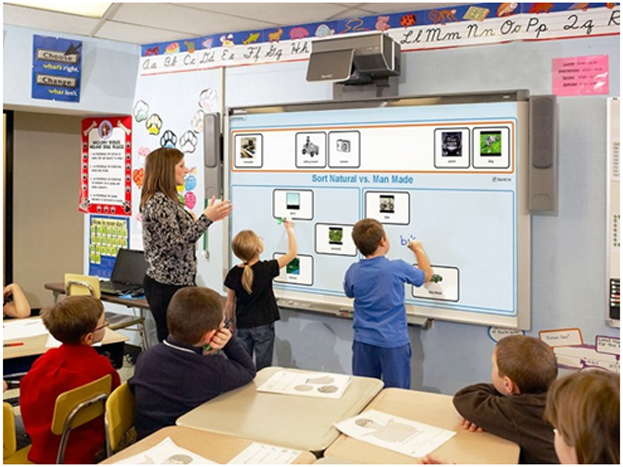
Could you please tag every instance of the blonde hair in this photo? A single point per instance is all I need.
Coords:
(584, 408)
(160, 174)
(245, 245)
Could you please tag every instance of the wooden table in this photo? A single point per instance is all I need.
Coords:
(18, 360)
(432, 409)
(297, 422)
(217, 447)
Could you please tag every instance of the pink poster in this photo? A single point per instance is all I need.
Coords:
(574, 76)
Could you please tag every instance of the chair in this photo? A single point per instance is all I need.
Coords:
(79, 284)
(79, 406)
(120, 419)
(10, 454)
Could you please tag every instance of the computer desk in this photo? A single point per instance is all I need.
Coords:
(296, 422)
(433, 409)
(216, 447)
(18, 360)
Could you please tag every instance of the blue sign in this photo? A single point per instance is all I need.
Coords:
(57, 64)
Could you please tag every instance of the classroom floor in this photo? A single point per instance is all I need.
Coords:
(12, 396)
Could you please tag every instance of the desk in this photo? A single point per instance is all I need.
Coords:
(217, 447)
(140, 304)
(433, 409)
(18, 360)
(297, 422)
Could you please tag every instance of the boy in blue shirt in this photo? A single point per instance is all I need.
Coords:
(381, 347)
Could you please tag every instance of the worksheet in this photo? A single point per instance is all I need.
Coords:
(22, 328)
(324, 385)
(258, 453)
(166, 452)
(394, 433)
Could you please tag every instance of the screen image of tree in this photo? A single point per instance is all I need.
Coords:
(440, 173)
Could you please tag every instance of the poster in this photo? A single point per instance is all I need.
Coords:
(106, 169)
(107, 235)
(56, 69)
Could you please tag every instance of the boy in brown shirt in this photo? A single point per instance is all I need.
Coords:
(513, 406)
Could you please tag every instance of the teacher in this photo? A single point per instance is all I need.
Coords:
(170, 232)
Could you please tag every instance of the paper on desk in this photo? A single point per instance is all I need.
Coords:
(394, 433)
(166, 452)
(257, 453)
(22, 328)
(52, 343)
(324, 385)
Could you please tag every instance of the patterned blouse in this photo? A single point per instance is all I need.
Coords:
(169, 237)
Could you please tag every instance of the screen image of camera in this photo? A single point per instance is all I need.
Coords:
(293, 200)
(335, 235)
(294, 266)
(386, 203)
(343, 145)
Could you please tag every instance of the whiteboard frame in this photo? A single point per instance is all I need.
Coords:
(301, 300)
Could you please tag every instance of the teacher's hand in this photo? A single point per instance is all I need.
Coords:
(217, 211)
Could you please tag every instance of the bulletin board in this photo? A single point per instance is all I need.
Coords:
(450, 171)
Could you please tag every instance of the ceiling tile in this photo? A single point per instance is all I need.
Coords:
(34, 18)
(135, 34)
(180, 18)
(279, 14)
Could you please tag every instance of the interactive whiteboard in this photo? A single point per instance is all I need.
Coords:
(450, 171)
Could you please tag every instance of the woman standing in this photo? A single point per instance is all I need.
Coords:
(170, 232)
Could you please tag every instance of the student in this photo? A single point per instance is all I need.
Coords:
(15, 304)
(584, 409)
(177, 375)
(381, 347)
(78, 322)
(250, 293)
(170, 232)
(513, 406)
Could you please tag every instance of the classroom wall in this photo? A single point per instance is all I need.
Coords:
(568, 249)
(47, 227)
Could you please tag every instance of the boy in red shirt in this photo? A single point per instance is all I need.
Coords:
(77, 322)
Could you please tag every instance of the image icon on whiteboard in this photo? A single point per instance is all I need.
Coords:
(344, 149)
(293, 204)
(299, 271)
(444, 285)
(451, 145)
(293, 200)
(248, 151)
(311, 149)
(386, 204)
(388, 207)
(335, 235)
(294, 266)
(492, 147)
(491, 144)
(335, 239)
(452, 148)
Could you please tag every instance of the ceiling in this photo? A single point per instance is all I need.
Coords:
(147, 23)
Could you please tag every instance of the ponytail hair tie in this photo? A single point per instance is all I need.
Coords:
(246, 263)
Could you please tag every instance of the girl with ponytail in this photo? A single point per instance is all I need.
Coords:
(251, 303)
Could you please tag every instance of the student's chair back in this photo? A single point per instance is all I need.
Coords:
(79, 284)
(76, 407)
(120, 419)
(10, 454)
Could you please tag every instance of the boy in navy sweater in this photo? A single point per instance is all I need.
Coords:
(179, 374)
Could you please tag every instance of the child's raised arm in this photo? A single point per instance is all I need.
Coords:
(292, 249)
(422, 259)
